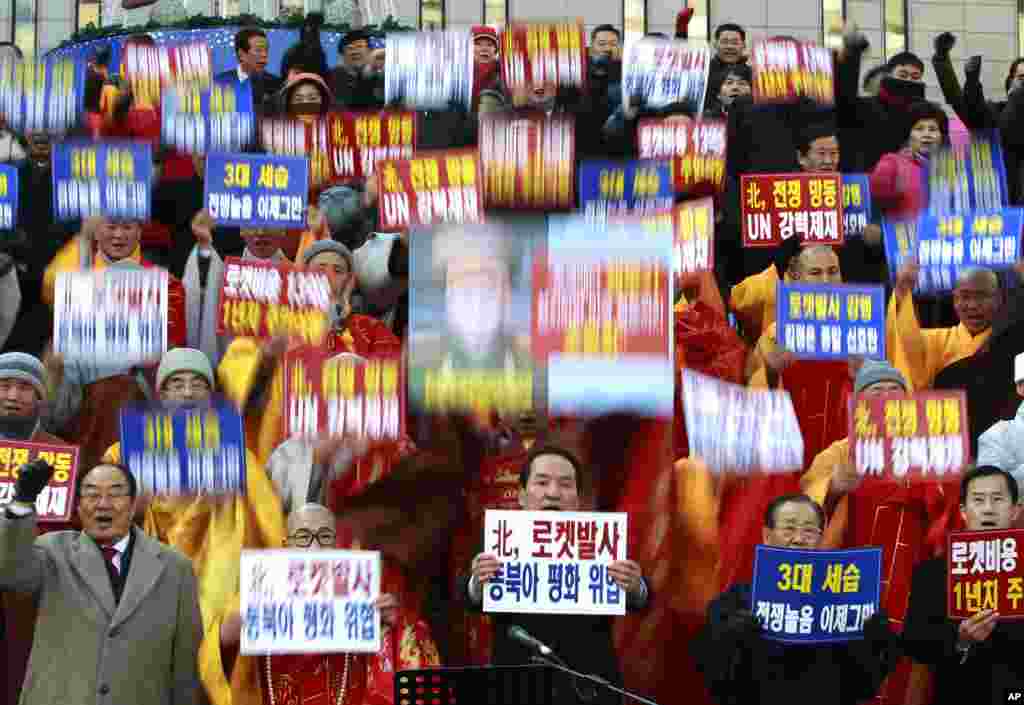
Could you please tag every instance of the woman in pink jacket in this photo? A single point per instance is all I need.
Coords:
(899, 182)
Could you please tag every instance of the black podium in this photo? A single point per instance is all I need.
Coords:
(475, 685)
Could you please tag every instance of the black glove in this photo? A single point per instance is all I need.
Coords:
(737, 619)
(972, 69)
(6, 263)
(944, 44)
(785, 253)
(32, 478)
(856, 42)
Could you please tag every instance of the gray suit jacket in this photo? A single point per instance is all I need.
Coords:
(89, 650)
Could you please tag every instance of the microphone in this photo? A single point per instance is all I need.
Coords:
(517, 633)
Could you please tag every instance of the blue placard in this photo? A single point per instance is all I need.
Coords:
(622, 188)
(109, 179)
(944, 246)
(218, 119)
(831, 321)
(8, 197)
(963, 178)
(257, 191)
(815, 597)
(42, 96)
(186, 450)
(856, 204)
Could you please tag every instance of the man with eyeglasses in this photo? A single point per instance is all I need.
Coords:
(211, 531)
(975, 660)
(741, 666)
(123, 606)
(318, 679)
(921, 354)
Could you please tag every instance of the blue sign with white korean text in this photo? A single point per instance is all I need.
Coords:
(856, 204)
(609, 188)
(943, 246)
(815, 597)
(257, 191)
(42, 96)
(109, 179)
(188, 450)
(218, 119)
(8, 197)
(831, 322)
(963, 178)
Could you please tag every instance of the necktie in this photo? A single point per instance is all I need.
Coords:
(108, 555)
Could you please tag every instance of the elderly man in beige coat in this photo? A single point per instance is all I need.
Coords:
(119, 620)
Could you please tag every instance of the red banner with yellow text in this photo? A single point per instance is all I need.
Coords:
(986, 572)
(776, 207)
(54, 502)
(432, 188)
(528, 161)
(786, 70)
(697, 151)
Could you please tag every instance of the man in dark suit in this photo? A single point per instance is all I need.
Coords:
(976, 660)
(123, 605)
(252, 48)
(549, 482)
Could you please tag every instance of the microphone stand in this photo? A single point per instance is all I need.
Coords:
(593, 679)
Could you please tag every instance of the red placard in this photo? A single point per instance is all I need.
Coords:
(54, 503)
(357, 141)
(697, 151)
(270, 299)
(786, 70)
(542, 54)
(528, 161)
(776, 207)
(694, 241)
(289, 137)
(149, 68)
(433, 188)
(343, 395)
(621, 304)
(921, 436)
(985, 572)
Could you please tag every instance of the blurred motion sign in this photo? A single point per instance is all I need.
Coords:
(149, 68)
(786, 70)
(269, 299)
(429, 70)
(776, 207)
(54, 502)
(528, 161)
(736, 429)
(969, 177)
(188, 450)
(856, 204)
(697, 150)
(343, 395)
(624, 188)
(815, 597)
(8, 197)
(923, 436)
(432, 188)
(543, 54)
(831, 322)
(694, 242)
(109, 179)
(663, 72)
(985, 572)
(944, 246)
(116, 315)
(218, 118)
(357, 141)
(41, 96)
(257, 191)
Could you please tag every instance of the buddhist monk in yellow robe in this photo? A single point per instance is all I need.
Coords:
(211, 531)
(316, 679)
(752, 301)
(816, 264)
(921, 354)
(896, 515)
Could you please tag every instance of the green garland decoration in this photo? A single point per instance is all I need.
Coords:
(92, 33)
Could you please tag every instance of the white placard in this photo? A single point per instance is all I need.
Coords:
(304, 602)
(555, 562)
(117, 315)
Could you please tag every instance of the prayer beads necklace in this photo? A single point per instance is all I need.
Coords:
(341, 691)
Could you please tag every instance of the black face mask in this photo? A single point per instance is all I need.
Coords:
(18, 428)
(907, 90)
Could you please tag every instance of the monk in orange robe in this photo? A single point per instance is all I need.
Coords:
(249, 364)
(921, 354)
(316, 679)
(904, 518)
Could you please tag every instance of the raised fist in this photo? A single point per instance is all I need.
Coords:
(32, 478)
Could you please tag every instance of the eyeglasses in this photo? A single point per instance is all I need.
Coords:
(92, 496)
(788, 532)
(304, 539)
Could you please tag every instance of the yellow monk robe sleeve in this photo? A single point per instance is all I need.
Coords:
(307, 240)
(757, 368)
(238, 369)
(917, 353)
(264, 506)
(753, 302)
(67, 259)
(240, 687)
(697, 521)
(815, 483)
(272, 419)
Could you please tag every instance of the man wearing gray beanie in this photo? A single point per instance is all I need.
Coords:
(23, 393)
